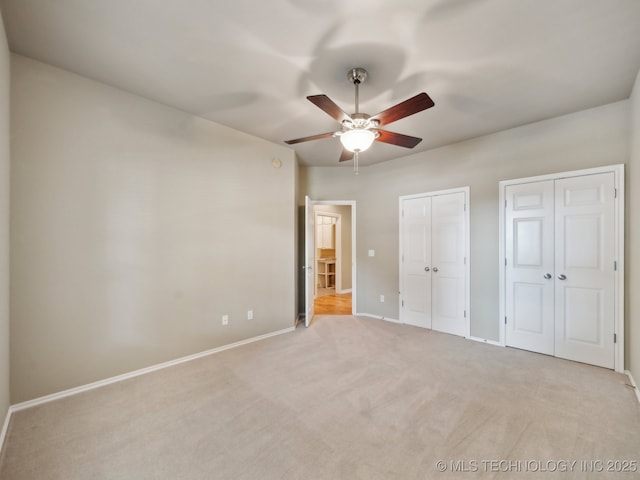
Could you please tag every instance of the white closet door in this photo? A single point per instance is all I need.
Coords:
(448, 263)
(585, 254)
(529, 281)
(416, 261)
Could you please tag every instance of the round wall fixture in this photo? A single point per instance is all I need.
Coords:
(276, 162)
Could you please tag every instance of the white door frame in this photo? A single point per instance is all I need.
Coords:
(618, 171)
(352, 204)
(309, 260)
(467, 250)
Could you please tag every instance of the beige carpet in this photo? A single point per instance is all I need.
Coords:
(347, 398)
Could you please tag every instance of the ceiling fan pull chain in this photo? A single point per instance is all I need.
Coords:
(355, 162)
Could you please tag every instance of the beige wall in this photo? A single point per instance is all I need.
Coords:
(134, 228)
(4, 224)
(590, 138)
(633, 244)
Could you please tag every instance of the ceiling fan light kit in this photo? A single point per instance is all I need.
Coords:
(357, 140)
(360, 130)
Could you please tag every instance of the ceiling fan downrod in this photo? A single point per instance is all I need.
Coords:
(357, 76)
(357, 121)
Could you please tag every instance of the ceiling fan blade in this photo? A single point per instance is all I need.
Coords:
(397, 139)
(346, 155)
(416, 104)
(307, 139)
(329, 107)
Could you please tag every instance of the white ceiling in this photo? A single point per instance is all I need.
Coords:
(488, 64)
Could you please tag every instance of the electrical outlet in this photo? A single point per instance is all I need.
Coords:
(372, 253)
(250, 315)
(381, 298)
(225, 319)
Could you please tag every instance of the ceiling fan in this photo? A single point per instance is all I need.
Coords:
(360, 130)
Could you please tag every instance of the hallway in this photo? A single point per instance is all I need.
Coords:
(333, 304)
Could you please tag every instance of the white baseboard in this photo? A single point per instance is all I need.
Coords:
(344, 290)
(137, 373)
(393, 320)
(386, 319)
(484, 340)
(633, 384)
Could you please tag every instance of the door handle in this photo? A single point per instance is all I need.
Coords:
(547, 276)
(435, 269)
(562, 277)
(426, 269)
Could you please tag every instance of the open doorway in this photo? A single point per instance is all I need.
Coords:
(334, 258)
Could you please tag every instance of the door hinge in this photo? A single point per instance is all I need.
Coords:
(402, 303)
(465, 207)
(615, 266)
(505, 204)
(505, 320)
(615, 338)
(465, 260)
(615, 193)
(465, 314)
(505, 261)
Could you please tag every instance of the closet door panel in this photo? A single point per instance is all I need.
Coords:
(416, 248)
(448, 263)
(584, 257)
(529, 254)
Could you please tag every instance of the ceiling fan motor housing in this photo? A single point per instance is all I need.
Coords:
(360, 120)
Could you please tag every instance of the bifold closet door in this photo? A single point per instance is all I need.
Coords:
(433, 262)
(559, 274)
(529, 248)
(584, 261)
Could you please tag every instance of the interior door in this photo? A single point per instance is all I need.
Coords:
(448, 261)
(416, 261)
(529, 281)
(309, 258)
(584, 257)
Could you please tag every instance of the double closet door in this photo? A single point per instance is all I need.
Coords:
(433, 261)
(560, 267)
